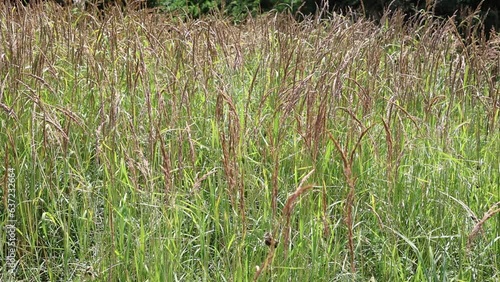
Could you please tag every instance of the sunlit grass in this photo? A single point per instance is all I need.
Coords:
(152, 149)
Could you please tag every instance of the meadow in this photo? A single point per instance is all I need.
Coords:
(140, 146)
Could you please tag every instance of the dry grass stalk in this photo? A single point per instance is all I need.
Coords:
(260, 269)
(9, 111)
(390, 150)
(287, 210)
(347, 170)
(479, 225)
(274, 180)
(289, 205)
(348, 160)
(165, 167)
(197, 183)
(230, 144)
(326, 229)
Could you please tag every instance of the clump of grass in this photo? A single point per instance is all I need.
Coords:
(151, 147)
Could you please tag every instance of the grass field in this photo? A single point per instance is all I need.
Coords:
(141, 147)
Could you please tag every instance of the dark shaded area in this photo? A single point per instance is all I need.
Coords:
(100, 4)
(35, 2)
(488, 10)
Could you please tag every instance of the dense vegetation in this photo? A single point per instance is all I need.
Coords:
(487, 12)
(140, 147)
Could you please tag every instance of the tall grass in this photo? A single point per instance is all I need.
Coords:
(149, 148)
